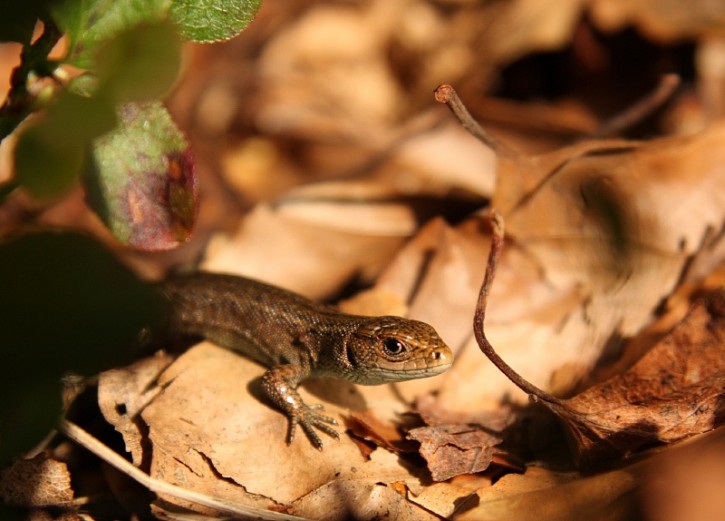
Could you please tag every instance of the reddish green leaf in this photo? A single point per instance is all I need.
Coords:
(141, 180)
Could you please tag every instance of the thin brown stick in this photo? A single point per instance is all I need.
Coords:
(640, 109)
(447, 94)
(497, 240)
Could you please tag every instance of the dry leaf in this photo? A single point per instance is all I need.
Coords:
(444, 499)
(352, 207)
(524, 25)
(366, 426)
(687, 482)
(122, 395)
(447, 157)
(210, 432)
(661, 20)
(36, 482)
(675, 391)
(542, 494)
(455, 443)
(451, 450)
(331, 257)
(360, 499)
(610, 227)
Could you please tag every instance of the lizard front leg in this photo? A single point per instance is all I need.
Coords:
(280, 385)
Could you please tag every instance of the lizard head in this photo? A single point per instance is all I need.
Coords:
(393, 349)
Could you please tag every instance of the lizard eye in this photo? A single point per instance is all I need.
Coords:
(393, 346)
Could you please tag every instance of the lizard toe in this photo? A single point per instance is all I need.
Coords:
(309, 419)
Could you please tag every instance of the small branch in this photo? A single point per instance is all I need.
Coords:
(447, 94)
(497, 240)
(640, 109)
(33, 58)
(84, 439)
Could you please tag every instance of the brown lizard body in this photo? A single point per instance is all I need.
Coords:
(297, 338)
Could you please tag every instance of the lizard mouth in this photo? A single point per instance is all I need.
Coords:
(410, 370)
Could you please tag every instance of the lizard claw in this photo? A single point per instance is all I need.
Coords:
(309, 419)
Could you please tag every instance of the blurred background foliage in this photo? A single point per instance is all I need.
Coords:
(84, 108)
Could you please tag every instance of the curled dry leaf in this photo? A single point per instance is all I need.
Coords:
(578, 276)
(435, 278)
(451, 450)
(457, 443)
(676, 390)
(673, 392)
(601, 231)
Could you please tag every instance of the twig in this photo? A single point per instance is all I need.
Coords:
(497, 239)
(33, 58)
(83, 438)
(640, 109)
(447, 94)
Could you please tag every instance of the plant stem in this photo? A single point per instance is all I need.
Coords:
(497, 239)
(448, 95)
(33, 58)
(641, 109)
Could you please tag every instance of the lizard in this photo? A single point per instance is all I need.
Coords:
(296, 338)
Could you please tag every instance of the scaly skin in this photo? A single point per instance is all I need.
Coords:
(298, 339)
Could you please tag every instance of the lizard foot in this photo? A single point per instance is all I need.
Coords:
(310, 419)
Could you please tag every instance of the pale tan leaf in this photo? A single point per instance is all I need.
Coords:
(541, 494)
(444, 498)
(360, 500)
(211, 432)
(687, 482)
(663, 20)
(312, 260)
(122, 395)
(357, 207)
(613, 225)
(450, 158)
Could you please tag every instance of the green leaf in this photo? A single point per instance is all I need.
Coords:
(213, 20)
(89, 23)
(140, 63)
(45, 167)
(78, 119)
(68, 305)
(49, 155)
(141, 181)
(85, 85)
